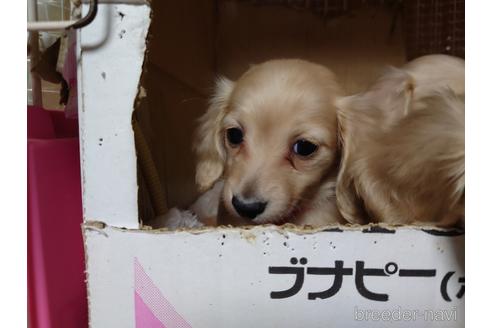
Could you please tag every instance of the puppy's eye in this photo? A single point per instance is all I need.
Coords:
(234, 136)
(304, 148)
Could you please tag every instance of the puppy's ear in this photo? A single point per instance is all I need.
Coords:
(361, 117)
(348, 202)
(208, 145)
(392, 93)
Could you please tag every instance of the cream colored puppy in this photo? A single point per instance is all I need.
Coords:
(403, 141)
(271, 136)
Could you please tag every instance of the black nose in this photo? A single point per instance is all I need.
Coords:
(248, 209)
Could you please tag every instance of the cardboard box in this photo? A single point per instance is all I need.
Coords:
(265, 276)
(275, 277)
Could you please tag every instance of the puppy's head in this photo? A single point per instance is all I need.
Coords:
(272, 137)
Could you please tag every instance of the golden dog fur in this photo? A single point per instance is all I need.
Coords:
(274, 104)
(403, 146)
(393, 154)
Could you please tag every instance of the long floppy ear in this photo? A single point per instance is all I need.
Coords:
(208, 143)
(360, 118)
(348, 202)
(388, 99)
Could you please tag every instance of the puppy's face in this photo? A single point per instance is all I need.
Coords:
(276, 138)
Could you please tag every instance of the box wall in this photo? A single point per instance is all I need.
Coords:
(220, 278)
(356, 46)
(172, 111)
(111, 47)
(179, 72)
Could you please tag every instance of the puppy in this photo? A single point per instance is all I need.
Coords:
(403, 140)
(271, 137)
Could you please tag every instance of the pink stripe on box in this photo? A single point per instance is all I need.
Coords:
(144, 318)
(152, 297)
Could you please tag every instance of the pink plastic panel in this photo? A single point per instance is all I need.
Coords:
(56, 287)
(39, 123)
(49, 124)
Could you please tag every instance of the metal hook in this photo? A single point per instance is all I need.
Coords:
(87, 19)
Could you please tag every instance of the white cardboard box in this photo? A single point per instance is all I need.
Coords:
(273, 277)
(230, 277)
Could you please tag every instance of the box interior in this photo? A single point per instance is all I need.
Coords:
(190, 43)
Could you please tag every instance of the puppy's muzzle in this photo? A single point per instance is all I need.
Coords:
(248, 209)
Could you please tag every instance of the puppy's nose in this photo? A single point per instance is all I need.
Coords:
(248, 209)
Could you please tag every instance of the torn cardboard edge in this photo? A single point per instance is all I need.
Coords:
(101, 226)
